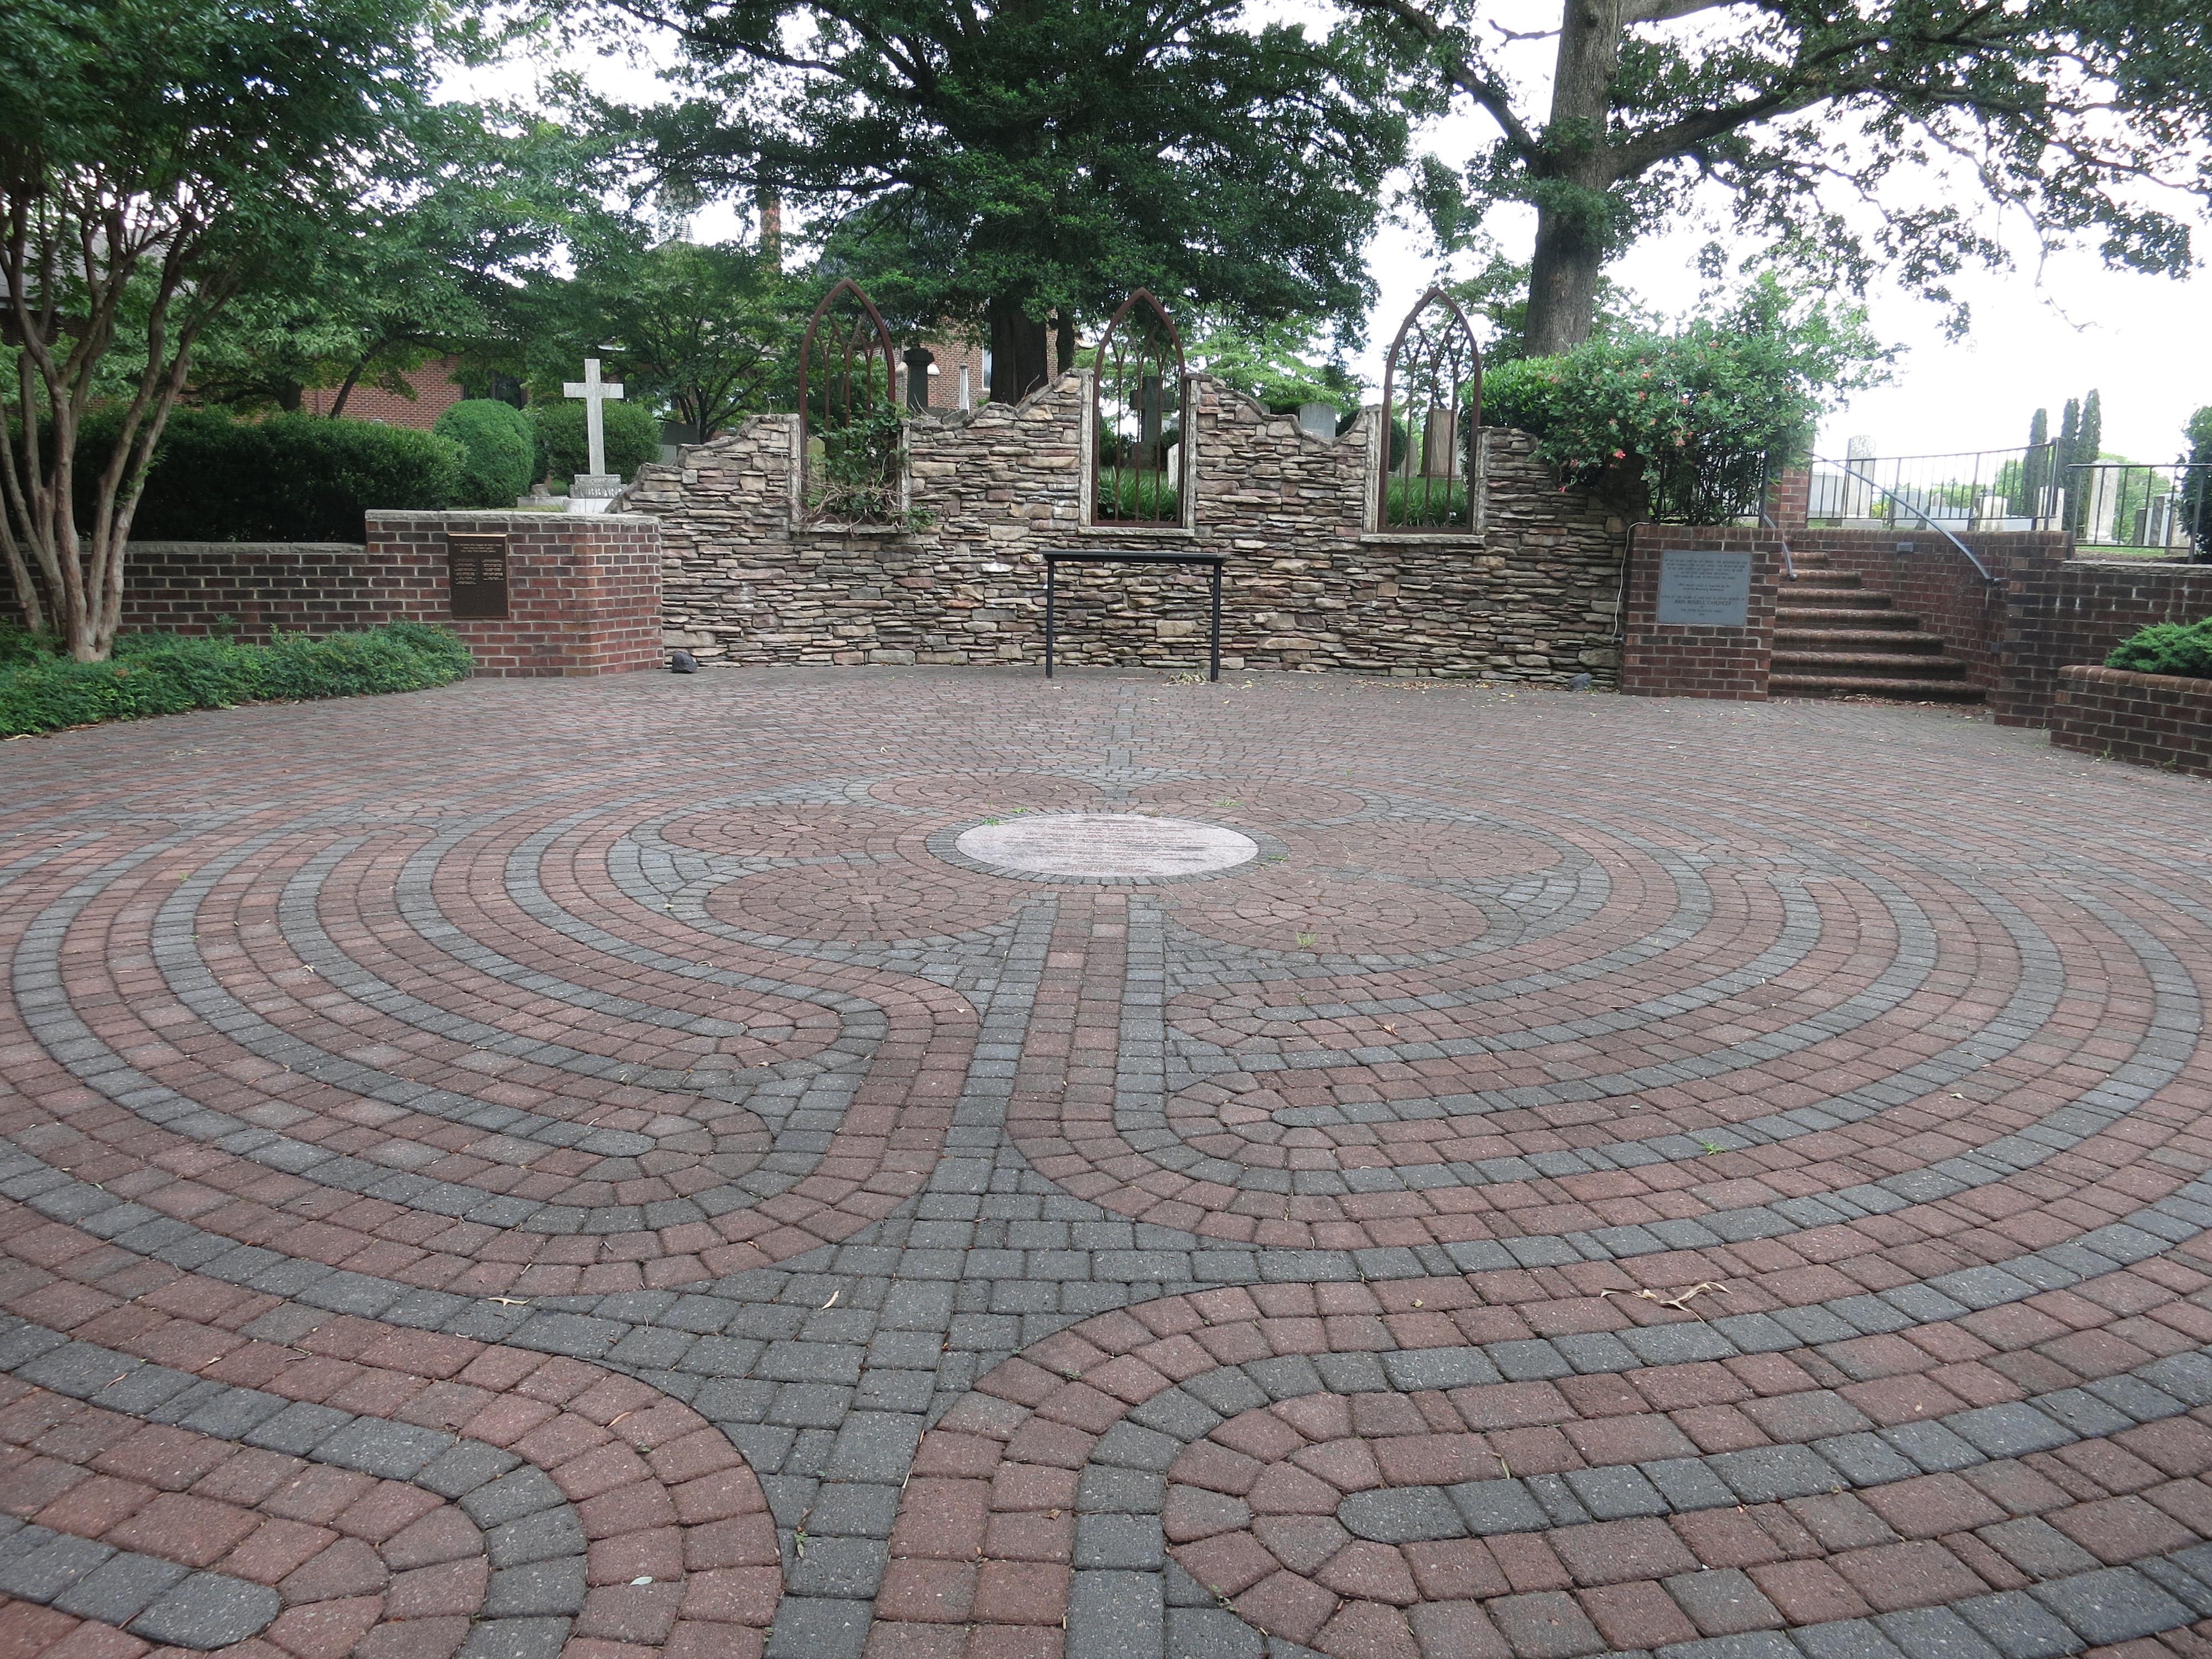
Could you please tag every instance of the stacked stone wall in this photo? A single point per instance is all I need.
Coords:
(1533, 597)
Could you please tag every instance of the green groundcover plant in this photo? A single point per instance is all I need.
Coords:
(43, 691)
(2184, 648)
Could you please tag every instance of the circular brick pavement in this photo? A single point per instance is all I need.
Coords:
(1720, 1182)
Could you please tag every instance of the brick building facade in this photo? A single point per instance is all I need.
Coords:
(436, 391)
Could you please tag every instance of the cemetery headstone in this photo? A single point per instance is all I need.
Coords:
(1317, 420)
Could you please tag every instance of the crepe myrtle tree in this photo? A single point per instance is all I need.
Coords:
(2091, 115)
(154, 156)
(985, 166)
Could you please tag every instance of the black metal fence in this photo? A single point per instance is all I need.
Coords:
(2163, 510)
(1981, 489)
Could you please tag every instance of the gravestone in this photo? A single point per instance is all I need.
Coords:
(590, 491)
(1317, 420)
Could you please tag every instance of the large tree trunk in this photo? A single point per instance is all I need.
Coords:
(1572, 229)
(1020, 362)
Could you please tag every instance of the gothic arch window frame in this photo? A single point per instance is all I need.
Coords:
(1452, 351)
(867, 341)
(1111, 364)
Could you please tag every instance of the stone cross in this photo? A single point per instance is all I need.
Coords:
(595, 393)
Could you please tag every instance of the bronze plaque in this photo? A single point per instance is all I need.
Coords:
(477, 566)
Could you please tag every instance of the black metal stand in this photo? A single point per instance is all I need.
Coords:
(1055, 556)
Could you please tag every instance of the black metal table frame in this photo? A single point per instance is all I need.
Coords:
(1055, 557)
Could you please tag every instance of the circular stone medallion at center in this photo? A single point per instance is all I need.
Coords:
(1106, 844)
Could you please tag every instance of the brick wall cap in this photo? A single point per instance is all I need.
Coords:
(2187, 685)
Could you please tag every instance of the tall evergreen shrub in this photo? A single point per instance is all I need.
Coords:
(289, 478)
(501, 451)
(633, 439)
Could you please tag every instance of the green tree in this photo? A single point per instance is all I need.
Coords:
(2086, 447)
(2034, 472)
(1688, 424)
(466, 202)
(2065, 108)
(1274, 364)
(156, 157)
(708, 333)
(990, 167)
(2194, 505)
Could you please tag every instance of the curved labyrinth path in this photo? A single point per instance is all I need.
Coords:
(930, 1165)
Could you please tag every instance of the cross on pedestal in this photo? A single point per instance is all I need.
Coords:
(596, 394)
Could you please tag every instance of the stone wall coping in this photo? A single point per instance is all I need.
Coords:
(1473, 540)
(826, 530)
(2147, 567)
(508, 515)
(167, 545)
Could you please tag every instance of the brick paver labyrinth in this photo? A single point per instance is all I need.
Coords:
(594, 1170)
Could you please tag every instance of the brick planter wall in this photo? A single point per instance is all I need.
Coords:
(2059, 613)
(2153, 720)
(1532, 598)
(1671, 659)
(583, 590)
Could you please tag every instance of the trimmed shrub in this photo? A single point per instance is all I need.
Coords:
(289, 478)
(1689, 422)
(563, 451)
(2183, 648)
(164, 674)
(501, 450)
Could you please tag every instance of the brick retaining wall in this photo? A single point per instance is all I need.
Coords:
(1669, 659)
(584, 592)
(2153, 720)
(2061, 613)
(1533, 597)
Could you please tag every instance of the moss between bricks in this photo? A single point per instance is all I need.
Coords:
(166, 674)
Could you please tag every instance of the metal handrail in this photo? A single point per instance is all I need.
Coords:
(1789, 564)
(1920, 513)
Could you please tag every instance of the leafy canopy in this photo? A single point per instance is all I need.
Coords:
(2092, 116)
(1043, 154)
(156, 156)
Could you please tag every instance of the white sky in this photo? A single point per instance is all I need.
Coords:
(2042, 333)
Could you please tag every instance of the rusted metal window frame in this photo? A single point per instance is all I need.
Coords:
(867, 339)
(1457, 336)
(1110, 353)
